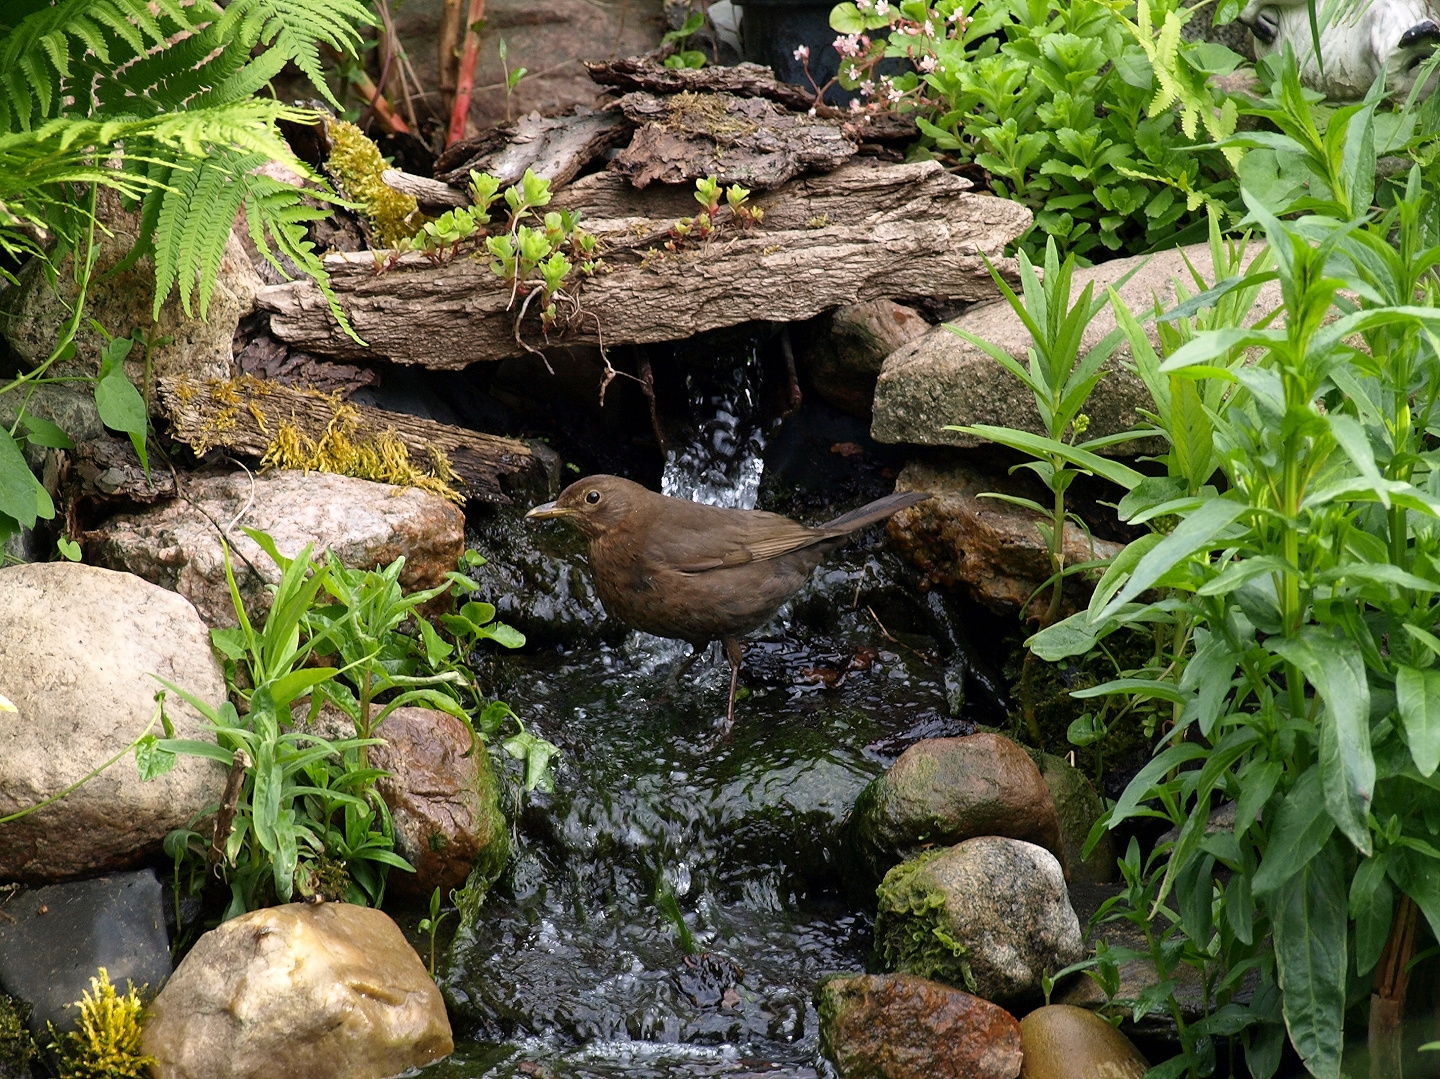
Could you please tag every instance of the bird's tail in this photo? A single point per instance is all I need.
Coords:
(878, 510)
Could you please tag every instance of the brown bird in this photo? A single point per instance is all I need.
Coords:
(699, 573)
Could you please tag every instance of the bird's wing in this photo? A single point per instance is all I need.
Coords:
(728, 538)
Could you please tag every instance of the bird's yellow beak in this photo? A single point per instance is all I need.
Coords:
(548, 510)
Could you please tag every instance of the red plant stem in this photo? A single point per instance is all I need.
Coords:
(465, 81)
(383, 112)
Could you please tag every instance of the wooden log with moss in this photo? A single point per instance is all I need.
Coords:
(287, 427)
(862, 232)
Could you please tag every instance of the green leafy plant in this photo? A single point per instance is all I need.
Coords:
(1104, 125)
(156, 103)
(431, 925)
(1290, 575)
(678, 41)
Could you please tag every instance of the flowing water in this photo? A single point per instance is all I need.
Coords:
(673, 902)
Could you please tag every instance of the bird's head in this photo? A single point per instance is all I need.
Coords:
(596, 504)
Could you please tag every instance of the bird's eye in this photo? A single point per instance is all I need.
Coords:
(592, 497)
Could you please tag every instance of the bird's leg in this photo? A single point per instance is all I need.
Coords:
(734, 653)
(686, 663)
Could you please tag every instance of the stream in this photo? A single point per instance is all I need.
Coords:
(673, 902)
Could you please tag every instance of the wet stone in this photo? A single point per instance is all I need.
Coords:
(945, 790)
(898, 1026)
(1078, 807)
(990, 914)
(1063, 1042)
(54, 939)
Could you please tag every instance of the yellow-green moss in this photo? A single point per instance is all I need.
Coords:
(912, 931)
(356, 165)
(16, 1046)
(106, 1044)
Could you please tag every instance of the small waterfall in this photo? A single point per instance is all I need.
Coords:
(719, 464)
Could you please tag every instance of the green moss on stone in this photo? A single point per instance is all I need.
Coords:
(912, 929)
(494, 830)
(356, 165)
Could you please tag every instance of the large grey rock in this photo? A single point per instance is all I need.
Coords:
(177, 545)
(57, 937)
(326, 991)
(78, 647)
(942, 791)
(32, 312)
(849, 346)
(991, 549)
(991, 915)
(942, 379)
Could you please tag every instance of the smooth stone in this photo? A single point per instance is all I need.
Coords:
(79, 649)
(985, 547)
(989, 914)
(942, 791)
(848, 349)
(1063, 1042)
(943, 379)
(365, 524)
(301, 991)
(898, 1026)
(55, 939)
(1078, 807)
(443, 800)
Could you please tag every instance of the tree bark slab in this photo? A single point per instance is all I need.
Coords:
(745, 80)
(245, 414)
(862, 232)
(738, 140)
(557, 148)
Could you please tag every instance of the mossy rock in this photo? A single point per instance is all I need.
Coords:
(1078, 806)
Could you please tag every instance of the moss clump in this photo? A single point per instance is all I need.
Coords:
(694, 114)
(912, 932)
(17, 1048)
(495, 853)
(356, 165)
(382, 458)
(106, 1044)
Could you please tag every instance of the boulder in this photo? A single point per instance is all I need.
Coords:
(942, 379)
(1061, 1042)
(32, 312)
(991, 549)
(990, 914)
(301, 991)
(443, 799)
(849, 346)
(942, 791)
(56, 938)
(898, 1026)
(1078, 807)
(177, 544)
(78, 648)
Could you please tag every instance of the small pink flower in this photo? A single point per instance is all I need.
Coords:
(864, 5)
(855, 104)
(882, 7)
(853, 74)
(803, 52)
(867, 89)
(927, 64)
(928, 29)
(812, 110)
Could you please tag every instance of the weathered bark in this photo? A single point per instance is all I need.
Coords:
(746, 80)
(738, 140)
(245, 414)
(427, 192)
(859, 233)
(557, 148)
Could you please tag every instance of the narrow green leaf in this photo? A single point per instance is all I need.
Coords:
(1301, 830)
(1310, 927)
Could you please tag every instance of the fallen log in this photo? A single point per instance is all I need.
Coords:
(427, 192)
(738, 140)
(298, 428)
(557, 148)
(862, 232)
